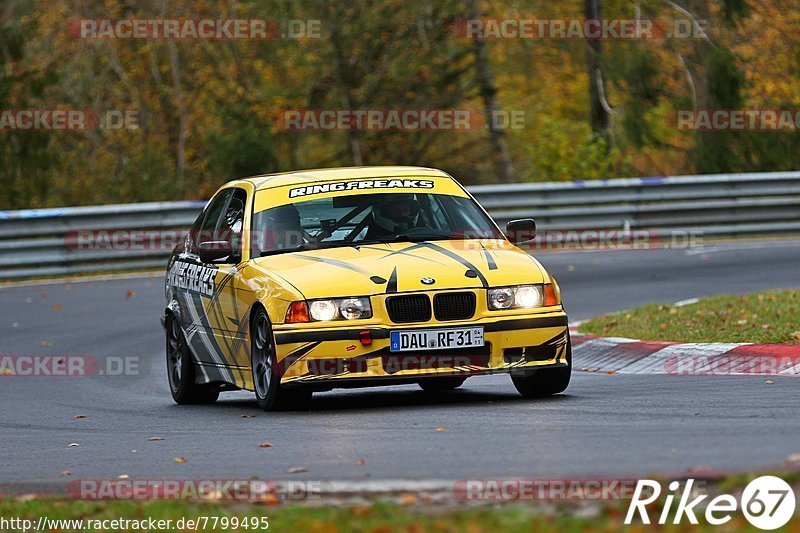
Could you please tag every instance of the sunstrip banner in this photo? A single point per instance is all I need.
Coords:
(359, 184)
(274, 194)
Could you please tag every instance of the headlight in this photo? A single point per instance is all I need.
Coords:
(324, 310)
(339, 309)
(355, 308)
(519, 297)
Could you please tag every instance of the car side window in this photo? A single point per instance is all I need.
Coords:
(207, 229)
(232, 222)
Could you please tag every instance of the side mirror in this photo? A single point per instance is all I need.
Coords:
(210, 251)
(521, 230)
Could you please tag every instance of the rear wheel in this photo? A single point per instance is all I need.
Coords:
(545, 382)
(441, 384)
(270, 395)
(180, 370)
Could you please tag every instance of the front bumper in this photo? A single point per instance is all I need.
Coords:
(339, 357)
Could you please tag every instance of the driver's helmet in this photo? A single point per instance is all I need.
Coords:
(283, 229)
(397, 214)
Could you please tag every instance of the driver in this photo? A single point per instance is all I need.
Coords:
(281, 229)
(394, 216)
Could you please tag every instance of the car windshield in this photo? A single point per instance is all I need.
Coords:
(373, 218)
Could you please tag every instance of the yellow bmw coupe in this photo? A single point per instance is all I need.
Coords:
(307, 281)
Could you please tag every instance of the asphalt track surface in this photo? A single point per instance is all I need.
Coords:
(604, 425)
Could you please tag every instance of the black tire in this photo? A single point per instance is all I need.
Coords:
(270, 395)
(441, 384)
(547, 382)
(180, 370)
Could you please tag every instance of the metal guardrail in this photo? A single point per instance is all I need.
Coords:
(36, 242)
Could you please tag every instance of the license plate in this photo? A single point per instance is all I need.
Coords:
(435, 339)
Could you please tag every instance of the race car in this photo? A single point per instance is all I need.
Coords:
(297, 282)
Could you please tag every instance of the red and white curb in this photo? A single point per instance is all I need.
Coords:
(630, 356)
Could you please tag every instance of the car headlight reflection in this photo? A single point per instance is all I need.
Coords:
(521, 297)
(339, 309)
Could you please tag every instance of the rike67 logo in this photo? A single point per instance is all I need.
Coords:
(767, 502)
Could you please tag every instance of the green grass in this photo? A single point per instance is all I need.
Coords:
(378, 517)
(764, 317)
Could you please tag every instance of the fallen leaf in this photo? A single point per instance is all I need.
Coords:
(155, 438)
(265, 445)
(610, 372)
(570, 268)
(57, 308)
(409, 498)
(360, 462)
(45, 294)
(66, 473)
(439, 429)
(769, 382)
(796, 335)
(130, 294)
(79, 417)
(297, 469)
(73, 444)
(360, 510)
(123, 476)
(181, 459)
(270, 499)
(45, 344)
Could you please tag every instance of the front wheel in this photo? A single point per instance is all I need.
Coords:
(270, 395)
(546, 382)
(180, 370)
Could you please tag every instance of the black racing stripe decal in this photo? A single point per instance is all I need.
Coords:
(333, 262)
(215, 308)
(458, 258)
(405, 251)
(297, 337)
(303, 350)
(558, 339)
(206, 337)
(489, 259)
(240, 338)
(391, 286)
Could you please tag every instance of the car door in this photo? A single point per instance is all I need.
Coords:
(196, 284)
(226, 311)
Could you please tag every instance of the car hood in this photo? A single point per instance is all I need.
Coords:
(401, 267)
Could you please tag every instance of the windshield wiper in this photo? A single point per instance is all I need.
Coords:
(406, 237)
(300, 248)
